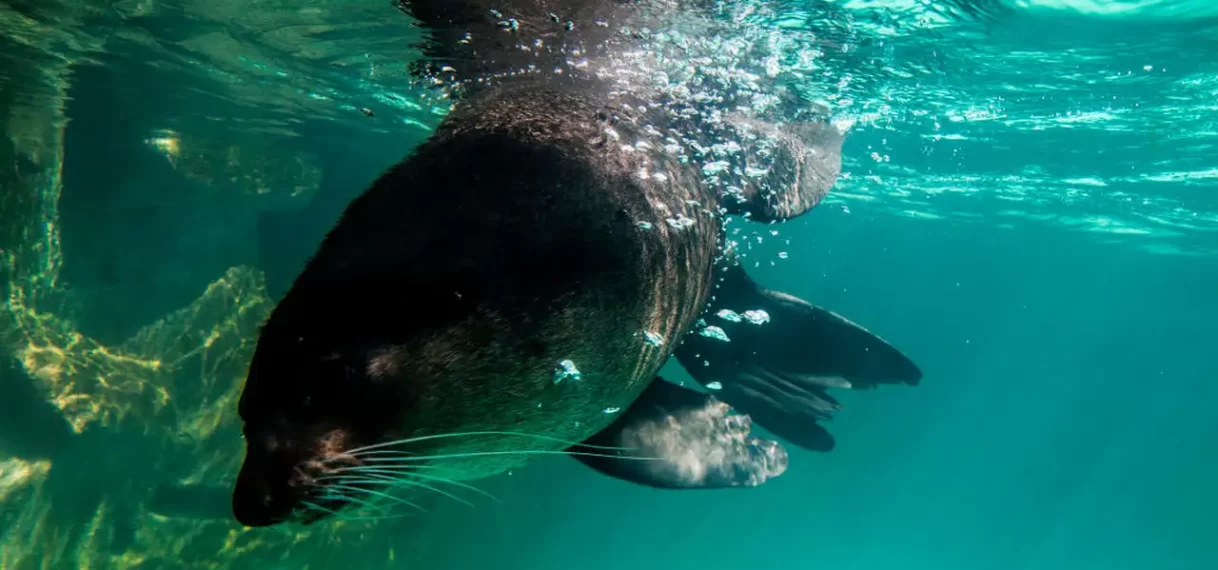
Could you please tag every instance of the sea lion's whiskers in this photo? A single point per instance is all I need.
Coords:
(399, 473)
(403, 482)
(347, 455)
(375, 494)
(357, 451)
(316, 507)
(350, 517)
(376, 518)
(334, 495)
(415, 458)
(455, 484)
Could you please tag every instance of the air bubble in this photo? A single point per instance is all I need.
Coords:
(715, 333)
(729, 315)
(566, 370)
(653, 339)
(757, 317)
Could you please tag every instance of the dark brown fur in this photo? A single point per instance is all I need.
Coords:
(448, 292)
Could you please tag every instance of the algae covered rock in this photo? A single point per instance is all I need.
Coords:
(117, 450)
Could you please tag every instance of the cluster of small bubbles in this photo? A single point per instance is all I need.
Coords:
(716, 167)
(726, 148)
(754, 316)
(680, 222)
(714, 332)
(566, 370)
(567, 25)
(735, 193)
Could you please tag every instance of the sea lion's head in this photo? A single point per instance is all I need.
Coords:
(452, 314)
(349, 397)
(306, 417)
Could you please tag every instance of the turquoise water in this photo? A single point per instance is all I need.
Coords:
(1029, 210)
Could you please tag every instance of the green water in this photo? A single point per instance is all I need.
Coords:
(1029, 210)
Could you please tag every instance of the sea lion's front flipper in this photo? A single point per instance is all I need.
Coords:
(676, 438)
(802, 163)
(782, 354)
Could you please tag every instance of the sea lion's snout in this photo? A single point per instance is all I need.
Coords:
(255, 503)
(285, 475)
(266, 492)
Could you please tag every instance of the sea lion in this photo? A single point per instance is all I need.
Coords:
(514, 285)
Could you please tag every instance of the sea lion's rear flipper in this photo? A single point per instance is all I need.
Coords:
(676, 438)
(802, 163)
(782, 354)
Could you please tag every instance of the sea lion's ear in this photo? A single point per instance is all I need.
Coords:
(676, 438)
(781, 356)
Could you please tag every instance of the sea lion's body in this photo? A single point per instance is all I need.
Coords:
(542, 230)
(524, 223)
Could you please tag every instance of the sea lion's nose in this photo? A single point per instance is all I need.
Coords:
(257, 501)
(252, 507)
